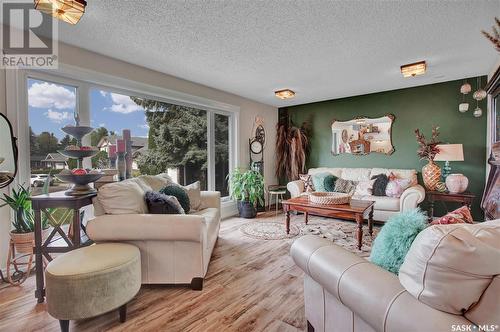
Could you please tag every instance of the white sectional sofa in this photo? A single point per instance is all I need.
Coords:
(385, 207)
(175, 248)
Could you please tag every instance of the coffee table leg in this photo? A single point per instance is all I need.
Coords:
(307, 217)
(359, 221)
(287, 222)
(370, 222)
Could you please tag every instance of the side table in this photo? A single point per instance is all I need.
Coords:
(464, 198)
(74, 239)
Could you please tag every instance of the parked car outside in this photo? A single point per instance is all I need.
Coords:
(37, 180)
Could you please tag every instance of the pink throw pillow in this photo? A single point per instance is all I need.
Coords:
(459, 216)
(396, 187)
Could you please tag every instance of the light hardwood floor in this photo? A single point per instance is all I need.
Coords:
(252, 285)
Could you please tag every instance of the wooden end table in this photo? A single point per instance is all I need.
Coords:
(464, 198)
(74, 239)
(356, 210)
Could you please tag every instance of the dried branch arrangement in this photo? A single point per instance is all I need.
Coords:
(427, 149)
(494, 37)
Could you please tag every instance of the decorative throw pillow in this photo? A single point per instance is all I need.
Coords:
(308, 183)
(380, 184)
(459, 216)
(319, 181)
(329, 182)
(179, 193)
(345, 186)
(396, 187)
(364, 188)
(159, 203)
(194, 193)
(124, 197)
(395, 238)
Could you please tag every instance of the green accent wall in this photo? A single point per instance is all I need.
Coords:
(420, 107)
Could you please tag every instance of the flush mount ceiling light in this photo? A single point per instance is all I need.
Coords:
(69, 11)
(413, 69)
(284, 94)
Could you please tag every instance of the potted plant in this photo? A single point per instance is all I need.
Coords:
(22, 234)
(247, 187)
(427, 150)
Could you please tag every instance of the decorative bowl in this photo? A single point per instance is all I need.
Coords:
(80, 183)
(77, 132)
(78, 153)
(329, 198)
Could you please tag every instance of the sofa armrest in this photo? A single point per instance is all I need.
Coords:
(131, 227)
(210, 199)
(295, 188)
(411, 197)
(372, 293)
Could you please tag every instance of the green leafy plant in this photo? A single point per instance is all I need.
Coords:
(246, 186)
(20, 203)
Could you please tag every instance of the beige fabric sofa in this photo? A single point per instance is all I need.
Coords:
(346, 293)
(385, 207)
(175, 249)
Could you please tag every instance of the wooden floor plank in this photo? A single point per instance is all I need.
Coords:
(251, 285)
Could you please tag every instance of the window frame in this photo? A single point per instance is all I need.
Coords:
(85, 81)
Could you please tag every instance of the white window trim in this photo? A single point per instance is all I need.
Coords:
(84, 80)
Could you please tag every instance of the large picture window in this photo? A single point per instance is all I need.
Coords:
(189, 143)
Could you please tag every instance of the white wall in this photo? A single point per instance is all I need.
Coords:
(92, 61)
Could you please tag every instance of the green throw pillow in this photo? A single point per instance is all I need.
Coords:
(319, 181)
(395, 238)
(329, 182)
(179, 193)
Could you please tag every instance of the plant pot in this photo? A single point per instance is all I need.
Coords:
(247, 210)
(431, 174)
(24, 242)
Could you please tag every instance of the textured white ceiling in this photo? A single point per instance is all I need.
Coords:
(320, 49)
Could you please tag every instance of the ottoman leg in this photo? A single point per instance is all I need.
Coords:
(197, 284)
(64, 325)
(123, 313)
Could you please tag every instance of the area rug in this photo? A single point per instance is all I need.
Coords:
(342, 233)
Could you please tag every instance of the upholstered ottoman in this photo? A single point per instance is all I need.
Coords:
(93, 280)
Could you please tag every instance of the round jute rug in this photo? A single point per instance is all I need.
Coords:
(262, 230)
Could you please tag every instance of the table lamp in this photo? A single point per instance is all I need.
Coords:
(447, 153)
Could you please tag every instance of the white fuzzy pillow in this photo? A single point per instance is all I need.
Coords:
(364, 188)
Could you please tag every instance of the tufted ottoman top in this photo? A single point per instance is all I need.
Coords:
(93, 259)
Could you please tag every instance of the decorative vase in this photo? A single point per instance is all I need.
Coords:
(456, 183)
(431, 174)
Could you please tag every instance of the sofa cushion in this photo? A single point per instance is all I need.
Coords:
(194, 192)
(308, 184)
(180, 193)
(345, 186)
(334, 171)
(156, 182)
(125, 197)
(383, 202)
(396, 187)
(356, 174)
(329, 182)
(395, 238)
(159, 203)
(318, 180)
(399, 173)
(459, 216)
(449, 267)
(364, 188)
(380, 184)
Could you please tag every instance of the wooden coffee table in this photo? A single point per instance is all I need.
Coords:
(357, 210)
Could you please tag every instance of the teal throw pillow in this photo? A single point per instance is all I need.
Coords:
(319, 181)
(179, 193)
(395, 238)
(329, 183)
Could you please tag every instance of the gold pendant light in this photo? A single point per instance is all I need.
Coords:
(70, 11)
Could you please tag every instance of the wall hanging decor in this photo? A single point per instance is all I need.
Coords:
(494, 37)
(427, 150)
(464, 90)
(362, 136)
(292, 148)
(478, 95)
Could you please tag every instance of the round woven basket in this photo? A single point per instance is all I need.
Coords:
(330, 198)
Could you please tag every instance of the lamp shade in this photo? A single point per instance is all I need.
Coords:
(450, 152)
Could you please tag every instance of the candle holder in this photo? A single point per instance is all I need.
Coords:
(112, 161)
(128, 159)
(120, 165)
